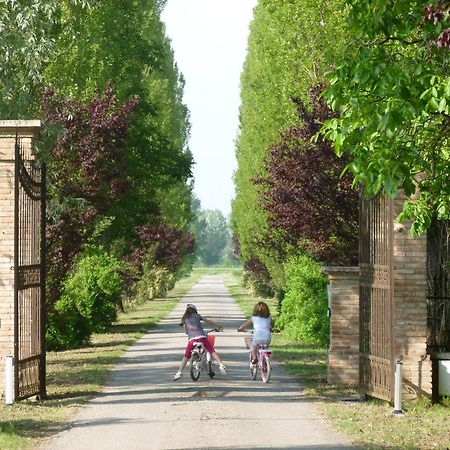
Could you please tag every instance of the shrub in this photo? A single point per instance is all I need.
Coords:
(89, 300)
(155, 282)
(303, 313)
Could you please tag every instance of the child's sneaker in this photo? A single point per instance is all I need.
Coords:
(222, 368)
(254, 364)
(177, 376)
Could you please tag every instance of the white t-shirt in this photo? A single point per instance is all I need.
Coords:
(261, 328)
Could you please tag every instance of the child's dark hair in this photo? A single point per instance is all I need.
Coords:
(189, 311)
(261, 309)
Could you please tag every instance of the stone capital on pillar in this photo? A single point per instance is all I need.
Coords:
(25, 129)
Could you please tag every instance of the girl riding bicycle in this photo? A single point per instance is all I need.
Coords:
(262, 325)
(191, 321)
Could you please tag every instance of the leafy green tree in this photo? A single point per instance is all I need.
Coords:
(87, 178)
(392, 90)
(308, 198)
(212, 236)
(291, 46)
(123, 43)
(28, 32)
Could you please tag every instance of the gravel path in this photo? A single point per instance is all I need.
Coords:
(141, 408)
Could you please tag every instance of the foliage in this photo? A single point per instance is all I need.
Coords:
(86, 177)
(154, 282)
(89, 300)
(257, 278)
(305, 193)
(161, 246)
(303, 315)
(392, 91)
(211, 236)
(119, 153)
(229, 256)
(291, 45)
(28, 31)
(138, 61)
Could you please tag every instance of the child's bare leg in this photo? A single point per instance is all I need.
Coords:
(183, 364)
(253, 353)
(216, 358)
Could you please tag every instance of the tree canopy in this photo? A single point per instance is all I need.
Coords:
(102, 77)
(392, 90)
(291, 46)
(211, 235)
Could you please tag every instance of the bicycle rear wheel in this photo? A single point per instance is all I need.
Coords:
(266, 369)
(195, 366)
(253, 369)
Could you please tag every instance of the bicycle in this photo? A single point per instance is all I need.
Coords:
(201, 359)
(263, 354)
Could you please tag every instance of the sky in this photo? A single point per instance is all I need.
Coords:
(209, 39)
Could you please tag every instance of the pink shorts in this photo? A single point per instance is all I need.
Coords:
(203, 340)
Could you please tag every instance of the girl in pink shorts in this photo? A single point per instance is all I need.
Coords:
(193, 328)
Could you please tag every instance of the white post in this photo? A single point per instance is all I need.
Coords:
(329, 300)
(398, 386)
(9, 380)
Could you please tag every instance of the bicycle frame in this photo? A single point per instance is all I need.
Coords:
(263, 351)
(263, 354)
(200, 361)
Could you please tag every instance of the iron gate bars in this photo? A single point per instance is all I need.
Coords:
(376, 296)
(29, 275)
(438, 287)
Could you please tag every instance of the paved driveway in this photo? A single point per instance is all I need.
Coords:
(141, 408)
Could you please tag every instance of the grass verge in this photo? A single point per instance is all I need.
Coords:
(370, 425)
(74, 376)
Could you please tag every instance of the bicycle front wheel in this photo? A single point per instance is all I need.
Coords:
(266, 369)
(195, 366)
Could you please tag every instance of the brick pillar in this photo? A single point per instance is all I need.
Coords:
(343, 353)
(27, 130)
(410, 316)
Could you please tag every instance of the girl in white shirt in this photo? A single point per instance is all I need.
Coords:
(262, 325)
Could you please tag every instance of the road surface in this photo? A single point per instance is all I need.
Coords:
(142, 408)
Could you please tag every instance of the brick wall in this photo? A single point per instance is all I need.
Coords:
(343, 352)
(8, 130)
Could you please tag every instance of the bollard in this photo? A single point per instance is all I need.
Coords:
(9, 380)
(329, 300)
(398, 386)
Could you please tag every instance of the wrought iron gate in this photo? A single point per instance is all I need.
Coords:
(29, 279)
(376, 297)
(438, 287)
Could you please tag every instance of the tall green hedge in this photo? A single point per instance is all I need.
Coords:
(291, 46)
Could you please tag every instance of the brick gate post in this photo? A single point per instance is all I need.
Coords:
(27, 130)
(343, 351)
